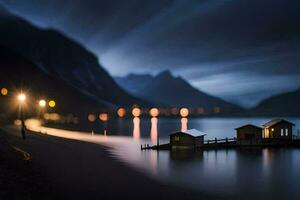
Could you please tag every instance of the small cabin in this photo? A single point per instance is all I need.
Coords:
(279, 129)
(249, 132)
(186, 140)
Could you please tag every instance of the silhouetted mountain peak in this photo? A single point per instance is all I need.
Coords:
(280, 105)
(166, 74)
(174, 91)
(132, 76)
(62, 57)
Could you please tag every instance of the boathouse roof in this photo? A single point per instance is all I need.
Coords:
(248, 125)
(276, 121)
(192, 132)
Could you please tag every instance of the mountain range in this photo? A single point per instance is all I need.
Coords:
(166, 89)
(286, 104)
(175, 91)
(47, 60)
(18, 74)
(59, 56)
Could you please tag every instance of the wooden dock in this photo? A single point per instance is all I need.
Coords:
(227, 143)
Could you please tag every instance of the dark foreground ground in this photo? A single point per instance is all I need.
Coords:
(66, 169)
(19, 178)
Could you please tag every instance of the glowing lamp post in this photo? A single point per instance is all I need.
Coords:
(52, 104)
(121, 112)
(184, 112)
(42, 103)
(136, 112)
(154, 112)
(4, 91)
(22, 99)
(92, 118)
(104, 117)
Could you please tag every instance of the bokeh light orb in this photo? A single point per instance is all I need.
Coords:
(217, 110)
(121, 112)
(103, 117)
(4, 91)
(184, 112)
(136, 112)
(154, 112)
(21, 97)
(92, 117)
(52, 103)
(18, 122)
(42, 103)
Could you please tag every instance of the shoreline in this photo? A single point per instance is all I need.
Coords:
(82, 170)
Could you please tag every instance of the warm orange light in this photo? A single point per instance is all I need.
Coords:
(18, 122)
(184, 126)
(154, 131)
(184, 112)
(91, 117)
(136, 128)
(52, 116)
(136, 112)
(21, 97)
(52, 103)
(103, 116)
(217, 110)
(121, 112)
(154, 112)
(4, 91)
(42, 103)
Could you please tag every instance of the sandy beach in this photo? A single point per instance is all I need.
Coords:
(69, 169)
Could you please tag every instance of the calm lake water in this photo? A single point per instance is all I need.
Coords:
(260, 173)
(246, 173)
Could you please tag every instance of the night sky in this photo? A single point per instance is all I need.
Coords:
(241, 50)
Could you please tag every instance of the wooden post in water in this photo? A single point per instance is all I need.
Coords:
(157, 140)
(216, 140)
(226, 140)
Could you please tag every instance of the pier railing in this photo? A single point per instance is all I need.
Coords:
(216, 140)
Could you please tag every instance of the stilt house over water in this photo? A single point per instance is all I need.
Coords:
(186, 140)
(279, 129)
(249, 132)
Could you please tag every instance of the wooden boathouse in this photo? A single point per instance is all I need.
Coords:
(278, 129)
(275, 133)
(187, 140)
(249, 133)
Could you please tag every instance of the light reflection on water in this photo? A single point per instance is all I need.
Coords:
(154, 131)
(184, 124)
(136, 128)
(243, 173)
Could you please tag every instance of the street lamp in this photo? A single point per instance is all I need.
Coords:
(154, 112)
(104, 117)
(22, 99)
(52, 104)
(42, 103)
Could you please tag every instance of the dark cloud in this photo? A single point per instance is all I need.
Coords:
(224, 47)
